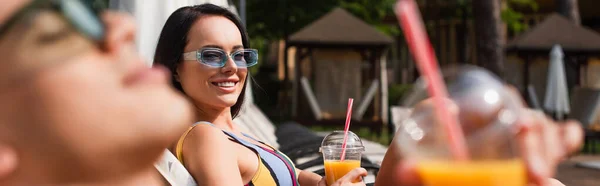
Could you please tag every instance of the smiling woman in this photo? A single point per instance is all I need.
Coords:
(207, 50)
(186, 60)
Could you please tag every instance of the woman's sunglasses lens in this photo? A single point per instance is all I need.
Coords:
(212, 58)
(217, 58)
(246, 58)
(250, 57)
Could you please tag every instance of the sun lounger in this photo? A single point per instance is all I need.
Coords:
(586, 110)
(589, 164)
(586, 105)
(173, 171)
(254, 122)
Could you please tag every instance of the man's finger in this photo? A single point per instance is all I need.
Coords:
(551, 139)
(572, 136)
(408, 175)
(554, 182)
(322, 182)
(514, 93)
(530, 147)
(427, 106)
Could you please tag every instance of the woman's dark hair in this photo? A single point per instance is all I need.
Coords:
(173, 39)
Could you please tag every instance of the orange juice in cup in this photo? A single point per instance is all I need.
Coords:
(335, 169)
(473, 173)
(331, 147)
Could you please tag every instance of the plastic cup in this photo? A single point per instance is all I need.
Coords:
(331, 148)
(487, 113)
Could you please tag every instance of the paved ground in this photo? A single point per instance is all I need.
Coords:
(572, 175)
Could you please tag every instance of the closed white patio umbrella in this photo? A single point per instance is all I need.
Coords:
(557, 95)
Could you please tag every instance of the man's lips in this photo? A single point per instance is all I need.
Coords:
(145, 75)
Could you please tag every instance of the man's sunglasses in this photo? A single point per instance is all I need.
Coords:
(83, 15)
(215, 57)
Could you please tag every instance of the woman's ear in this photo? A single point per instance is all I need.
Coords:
(176, 74)
(8, 161)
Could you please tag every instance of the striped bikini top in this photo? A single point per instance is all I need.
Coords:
(274, 168)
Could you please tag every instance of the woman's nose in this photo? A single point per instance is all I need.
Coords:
(230, 66)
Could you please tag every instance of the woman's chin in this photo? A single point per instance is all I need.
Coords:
(227, 100)
(216, 103)
(229, 104)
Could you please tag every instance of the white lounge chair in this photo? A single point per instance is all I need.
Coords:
(173, 171)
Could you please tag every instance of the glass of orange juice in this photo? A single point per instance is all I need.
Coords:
(487, 113)
(331, 148)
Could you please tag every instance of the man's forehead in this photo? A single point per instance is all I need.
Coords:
(10, 7)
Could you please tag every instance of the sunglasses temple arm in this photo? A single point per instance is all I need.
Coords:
(193, 55)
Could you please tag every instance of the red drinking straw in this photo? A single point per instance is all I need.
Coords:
(414, 31)
(346, 128)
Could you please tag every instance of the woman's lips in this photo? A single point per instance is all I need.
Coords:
(225, 86)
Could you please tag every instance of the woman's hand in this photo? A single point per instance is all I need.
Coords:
(355, 174)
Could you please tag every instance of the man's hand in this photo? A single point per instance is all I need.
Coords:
(543, 143)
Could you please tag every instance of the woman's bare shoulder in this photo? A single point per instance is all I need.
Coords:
(205, 134)
(210, 156)
(206, 146)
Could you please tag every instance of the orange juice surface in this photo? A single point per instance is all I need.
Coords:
(335, 169)
(477, 173)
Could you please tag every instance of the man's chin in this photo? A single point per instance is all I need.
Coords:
(169, 122)
(179, 118)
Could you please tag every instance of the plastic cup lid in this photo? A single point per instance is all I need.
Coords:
(335, 140)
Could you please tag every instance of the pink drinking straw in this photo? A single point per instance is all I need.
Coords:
(408, 14)
(346, 128)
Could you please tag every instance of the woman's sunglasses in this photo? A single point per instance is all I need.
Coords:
(83, 15)
(215, 57)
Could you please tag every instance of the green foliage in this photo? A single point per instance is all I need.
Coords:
(267, 18)
(270, 19)
(100, 3)
(513, 18)
(397, 92)
(510, 15)
(373, 12)
(463, 8)
(262, 46)
(526, 3)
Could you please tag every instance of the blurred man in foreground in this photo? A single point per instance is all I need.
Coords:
(78, 106)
